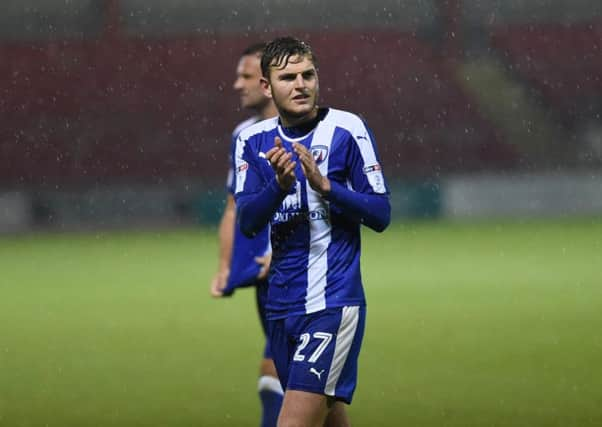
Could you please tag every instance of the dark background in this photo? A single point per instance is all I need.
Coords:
(123, 97)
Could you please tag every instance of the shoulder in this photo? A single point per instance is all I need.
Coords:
(258, 128)
(345, 120)
(243, 125)
(351, 128)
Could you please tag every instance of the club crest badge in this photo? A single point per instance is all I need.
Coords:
(319, 152)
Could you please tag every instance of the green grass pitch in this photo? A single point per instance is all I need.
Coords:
(489, 324)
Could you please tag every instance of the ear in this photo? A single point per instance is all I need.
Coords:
(266, 87)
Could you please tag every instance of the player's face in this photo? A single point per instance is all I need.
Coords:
(294, 89)
(247, 83)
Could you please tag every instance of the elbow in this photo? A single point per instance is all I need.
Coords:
(378, 224)
(383, 220)
(245, 222)
(382, 225)
(247, 230)
(379, 218)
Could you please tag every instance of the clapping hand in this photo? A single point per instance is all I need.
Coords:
(282, 163)
(316, 180)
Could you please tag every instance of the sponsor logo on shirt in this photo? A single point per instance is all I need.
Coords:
(372, 168)
(290, 207)
(375, 177)
(318, 214)
(242, 167)
(292, 202)
(286, 216)
(315, 215)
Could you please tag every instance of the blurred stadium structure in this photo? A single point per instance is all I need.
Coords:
(117, 112)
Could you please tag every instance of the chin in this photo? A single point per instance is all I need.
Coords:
(300, 112)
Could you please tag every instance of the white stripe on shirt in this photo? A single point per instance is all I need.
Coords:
(241, 166)
(319, 229)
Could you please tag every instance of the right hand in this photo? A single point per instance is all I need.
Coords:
(315, 178)
(283, 165)
(216, 289)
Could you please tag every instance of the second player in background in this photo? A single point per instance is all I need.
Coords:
(245, 261)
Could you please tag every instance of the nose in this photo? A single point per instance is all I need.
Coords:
(299, 81)
(237, 85)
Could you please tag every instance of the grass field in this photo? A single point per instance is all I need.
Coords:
(468, 325)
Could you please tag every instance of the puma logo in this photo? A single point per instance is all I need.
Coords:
(316, 373)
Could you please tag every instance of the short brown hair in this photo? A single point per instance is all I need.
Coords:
(278, 51)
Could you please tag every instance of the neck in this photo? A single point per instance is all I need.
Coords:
(292, 121)
(268, 111)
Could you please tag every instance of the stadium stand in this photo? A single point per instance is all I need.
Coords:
(563, 63)
(91, 111)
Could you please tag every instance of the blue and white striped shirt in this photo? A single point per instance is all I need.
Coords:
(315, 240)
(243, 267)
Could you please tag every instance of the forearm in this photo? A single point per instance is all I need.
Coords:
(372, 210)
(255, 211)
(226, 234)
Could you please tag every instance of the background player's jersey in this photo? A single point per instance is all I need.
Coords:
(237, 130)
(315, 242)
(243, 267)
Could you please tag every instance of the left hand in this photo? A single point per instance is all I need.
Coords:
(316, 180)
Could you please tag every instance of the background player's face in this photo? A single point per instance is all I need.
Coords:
(294, 88)
(247, 83)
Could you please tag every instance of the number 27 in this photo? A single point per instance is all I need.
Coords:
(324, 336)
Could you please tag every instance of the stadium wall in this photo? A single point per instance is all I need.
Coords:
(482, 196)
(541, 195)
(15, 212)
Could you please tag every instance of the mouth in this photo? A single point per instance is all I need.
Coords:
(301, 97)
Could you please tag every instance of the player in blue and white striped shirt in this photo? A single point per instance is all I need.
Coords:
(244, 261)
(314, 176)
